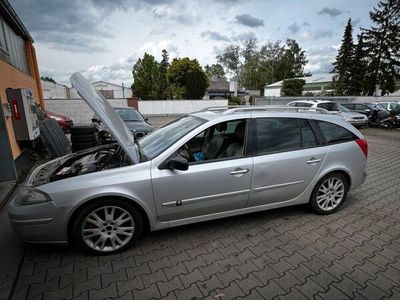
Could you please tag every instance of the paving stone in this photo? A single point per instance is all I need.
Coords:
(147, 293)
(209, 285)
(192, 292)
(129, 285)
(169, 286)
(109, 291)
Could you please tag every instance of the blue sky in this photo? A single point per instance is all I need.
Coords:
(104, 38)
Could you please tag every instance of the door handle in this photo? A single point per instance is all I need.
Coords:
(239, 171)
(313, 160)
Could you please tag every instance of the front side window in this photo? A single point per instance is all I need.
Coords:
(277, 135)
(334, 133)
(221, 141)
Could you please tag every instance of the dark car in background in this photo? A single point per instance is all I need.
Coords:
(65, 122)
(367, 108)
(133, 119)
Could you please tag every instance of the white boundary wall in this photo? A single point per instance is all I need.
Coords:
(176, 107)
(80, 112)
(77, 109)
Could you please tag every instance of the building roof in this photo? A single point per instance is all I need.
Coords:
(218, 84)
(12, 19)
(109, 83)
(317, 78)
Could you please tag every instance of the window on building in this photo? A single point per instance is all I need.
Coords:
(108, 94)
(12, 47)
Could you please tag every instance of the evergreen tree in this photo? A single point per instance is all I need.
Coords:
(382, 43)
(146, 78)
(357, 85)
(344, 63)
(164, 91)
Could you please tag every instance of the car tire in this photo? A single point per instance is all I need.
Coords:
(329, 193)
(82, 130)
(105, 239)
(84, 138)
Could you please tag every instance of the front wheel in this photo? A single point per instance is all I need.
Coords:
(329, 193)
(107, 227)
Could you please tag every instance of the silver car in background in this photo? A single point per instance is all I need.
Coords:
(211, 164)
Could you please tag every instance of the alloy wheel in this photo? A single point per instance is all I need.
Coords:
(330, 193)
(108, 228)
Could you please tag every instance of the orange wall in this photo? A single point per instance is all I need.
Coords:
(11, 77)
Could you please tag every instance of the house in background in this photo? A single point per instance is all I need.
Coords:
(218, 88)
(112, 91)
(53, 90)
(18, 69)
(315, 84)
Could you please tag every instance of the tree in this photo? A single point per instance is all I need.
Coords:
(215, 69)
(187, 78)
(344, 63)
(357, 84)
(49, 79)
(292, 87)
(146, 75)
(382, 43)
(230, 59)
(164, 92)
(295, 59)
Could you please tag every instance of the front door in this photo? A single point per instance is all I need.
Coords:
(213, 184)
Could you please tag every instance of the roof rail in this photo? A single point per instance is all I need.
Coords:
(233, 109)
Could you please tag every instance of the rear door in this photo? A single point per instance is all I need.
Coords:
(287, 157)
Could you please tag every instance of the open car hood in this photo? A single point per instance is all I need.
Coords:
(107, 114)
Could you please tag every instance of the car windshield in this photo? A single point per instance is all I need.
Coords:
(128, 114)
(342, 108)
(161, 139)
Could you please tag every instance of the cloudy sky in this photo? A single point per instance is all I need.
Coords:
(104, 38)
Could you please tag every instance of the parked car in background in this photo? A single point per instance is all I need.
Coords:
(373, 110)
(133, 119)
(356, 119)
(65, 122)
(206, 165)
(390, 106)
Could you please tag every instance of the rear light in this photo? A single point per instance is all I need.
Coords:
(363, 145)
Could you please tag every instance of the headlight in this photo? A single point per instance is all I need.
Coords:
(28, 196)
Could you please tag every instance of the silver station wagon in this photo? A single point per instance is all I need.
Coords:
(211, 164)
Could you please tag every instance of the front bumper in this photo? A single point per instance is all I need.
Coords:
(358, 122)
(39, 223)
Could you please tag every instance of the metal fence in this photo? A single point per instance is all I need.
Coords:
(344, 99)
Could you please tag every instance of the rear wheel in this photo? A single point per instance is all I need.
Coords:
(107, 227)
(329, 193)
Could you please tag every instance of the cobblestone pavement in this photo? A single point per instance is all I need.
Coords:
(286, 253)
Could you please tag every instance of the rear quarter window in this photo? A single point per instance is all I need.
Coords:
(334, 133)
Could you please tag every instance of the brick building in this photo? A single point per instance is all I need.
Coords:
(18, 69)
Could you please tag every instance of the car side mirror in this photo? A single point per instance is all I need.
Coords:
(367, 111)
(178, 163)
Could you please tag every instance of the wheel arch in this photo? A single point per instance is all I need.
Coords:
(136, 205)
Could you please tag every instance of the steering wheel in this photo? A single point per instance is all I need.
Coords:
(188, 155)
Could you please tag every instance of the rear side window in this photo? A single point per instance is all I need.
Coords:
(329, 106)
(307, 135)
(277, 135)
(334, 133)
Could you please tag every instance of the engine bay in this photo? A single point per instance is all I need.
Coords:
(83, 162)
